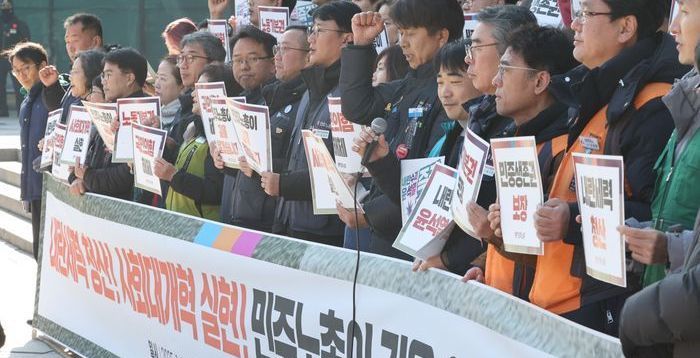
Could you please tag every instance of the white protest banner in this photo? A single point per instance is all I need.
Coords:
(430, 224)
(102, 116)
(414, 175)
(219, 28)
(47, 152)
(77, 136)
(143, 110)
(472, 161)
(205, 93)
(58, 170)
(242, 12)
(252, 123)
(519, 187)
(469, 24)
(600, 196)
(381, 43)
(148, 145)
(241, 99)
(274, 20)
(302, 13)
(547, 12)
(327, 184)
(224, 133)
(344, 133)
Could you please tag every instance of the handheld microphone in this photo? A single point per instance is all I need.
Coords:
(378, 127)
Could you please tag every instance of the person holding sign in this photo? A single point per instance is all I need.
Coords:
(329, 34)
(620, 50)
(254, 11)
(26, 59)
(533, 56)
(123, 76)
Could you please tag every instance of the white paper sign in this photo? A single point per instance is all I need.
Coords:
(205, 93)
(469, 24)
(547, 12)
(600, 195)
(132, 110)
(252, 124)
(519, 187)
(472, 161)
(224, 133)
(102, 116)
(274, 20)
(327, 184)
(344, 133)
(219, 28)
(381, 43)
(429, 226)
(58, 170)
(77, 136)
(47, 152)
(302, 13)
(148, 145)
(242, 13)
(414, 175)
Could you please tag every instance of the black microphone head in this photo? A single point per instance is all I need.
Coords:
(379, 125)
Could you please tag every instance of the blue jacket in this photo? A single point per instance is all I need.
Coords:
(32, 122)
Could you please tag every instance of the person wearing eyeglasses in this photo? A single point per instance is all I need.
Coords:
(331, 31)
(533, 56)
(616, 109)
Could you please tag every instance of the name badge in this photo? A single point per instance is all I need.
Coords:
(489, 171)
(416, 112)
(589, 143)
(322, 133)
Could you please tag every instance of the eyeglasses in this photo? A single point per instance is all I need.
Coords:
(315, 30)
(252, 61)
(583, 15)
(23, 70)
(107, 76)
(470, 49)
(189, 59)
(277, 49)
(504, 68)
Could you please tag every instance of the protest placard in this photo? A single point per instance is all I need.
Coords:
(472, 160)
(102, 116)
(381, 43)
(58, 170)
(327, 184)
(344, 133)
(600, 196)
(414, 175)
(219, 28)
(77, 137)
(224, 133)
(469, 24)
(427, 229)
(47, 150)
(519, 187)
(302, 13)
(274, 20)
(546, 12)
(205, 93)
(252, 123)
(144, 110)
(148, 145)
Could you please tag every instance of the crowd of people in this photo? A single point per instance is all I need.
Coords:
(620, 79)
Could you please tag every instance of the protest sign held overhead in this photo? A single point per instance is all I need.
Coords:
(600, 196)
(344, 133)
(547, 12)
(47, 152)
(519, 187)
(252, 123)
(414, 175)
(102, 116)
(274, 20)
(219, 28)
(381, 43)
(469, 24)
(77, 136)
(427, 229)
(148, 145)
(327, 184)
(472, 161)
(144, 111)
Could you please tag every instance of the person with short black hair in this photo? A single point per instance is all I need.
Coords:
(253, 61)
(26, 58)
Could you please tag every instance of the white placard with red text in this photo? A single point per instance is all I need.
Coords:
(427, 230)
(414, 175)
(344, 133)
(102, 116)
(519, 186)
(274, 20)
(469, 25)
(600, 195)
(252, 124)
(219, 28)
(58, 170)
(148, 145)
(47, 152)
(205, 93)
(472, 161)
(77, 138)
(223, 133)
(145, 111)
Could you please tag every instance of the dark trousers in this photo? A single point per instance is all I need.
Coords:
(602, 316)
(5, 69)
(36, 226)
(321, 239)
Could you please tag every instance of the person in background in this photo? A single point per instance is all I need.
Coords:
(26, 59)
(168, 87)
(97, 94)
(472, 6)
(174, 32)
(14, 31)
(86, 67)
(254, 10)
(391, 65)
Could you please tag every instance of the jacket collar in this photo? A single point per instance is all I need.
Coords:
(683, 101)
(548, 124)
(424, 71)
(279, 94)
(186, 101)
(321, 80)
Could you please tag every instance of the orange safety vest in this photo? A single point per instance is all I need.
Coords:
(554, 288)
(499, 271)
